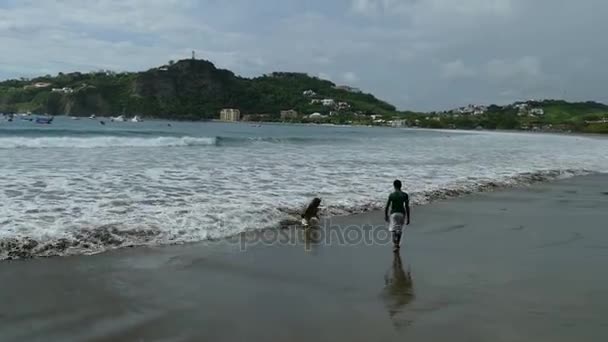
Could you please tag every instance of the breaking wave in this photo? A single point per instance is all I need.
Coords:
(101, 142)
(429, 196)
(92, 240)
(227, 141)
(159, 141)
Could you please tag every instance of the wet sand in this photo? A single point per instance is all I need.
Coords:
(516, 265)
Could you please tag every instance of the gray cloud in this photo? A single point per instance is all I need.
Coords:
(456, 69)
(418, 54)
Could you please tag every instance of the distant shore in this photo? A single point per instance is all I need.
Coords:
(545, 131)
(449, 130)
(563, 132)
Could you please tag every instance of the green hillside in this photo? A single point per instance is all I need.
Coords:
(545, 115)
(188, 89)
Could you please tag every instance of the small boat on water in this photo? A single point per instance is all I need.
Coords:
(92, 117)
(9, 117)
(74, 118)
(136, 118)
(119, 118)
(44, 120)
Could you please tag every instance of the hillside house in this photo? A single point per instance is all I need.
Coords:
(317, 117)
(343, 105)
(398, 123)
(230, 114)
(537, 112)
(328, 102)
(38, 85)
(64, 90)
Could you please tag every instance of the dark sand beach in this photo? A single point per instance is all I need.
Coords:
(514, 265)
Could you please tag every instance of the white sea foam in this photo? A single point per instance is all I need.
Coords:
(64, 200)
(102, 141)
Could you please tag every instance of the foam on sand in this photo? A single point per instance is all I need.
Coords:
(97, 239)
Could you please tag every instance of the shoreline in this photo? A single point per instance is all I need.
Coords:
(280, 123)
(104, 239)
(514, 131)
(522, 264)
(447, 130)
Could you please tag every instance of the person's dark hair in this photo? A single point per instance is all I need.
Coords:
(397, 184)
(316, 202)
(312, 208)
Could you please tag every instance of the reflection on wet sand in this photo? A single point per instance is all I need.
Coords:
(398, 292)
(312, 237)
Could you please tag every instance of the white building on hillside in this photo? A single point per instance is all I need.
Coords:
(398, 123)
(41, 85)
(230, 114)
(328, 102)
(343, 105)
(317, 117)
(537, 112)
(65, 90)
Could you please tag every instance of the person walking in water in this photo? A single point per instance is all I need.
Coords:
(398, 206)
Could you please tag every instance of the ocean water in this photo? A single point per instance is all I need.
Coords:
(76, 186)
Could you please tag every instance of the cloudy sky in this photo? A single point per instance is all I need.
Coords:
(417, 54)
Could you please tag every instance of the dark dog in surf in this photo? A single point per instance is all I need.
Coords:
(311, 214)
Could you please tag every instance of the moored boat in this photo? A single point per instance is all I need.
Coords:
(44, 120)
